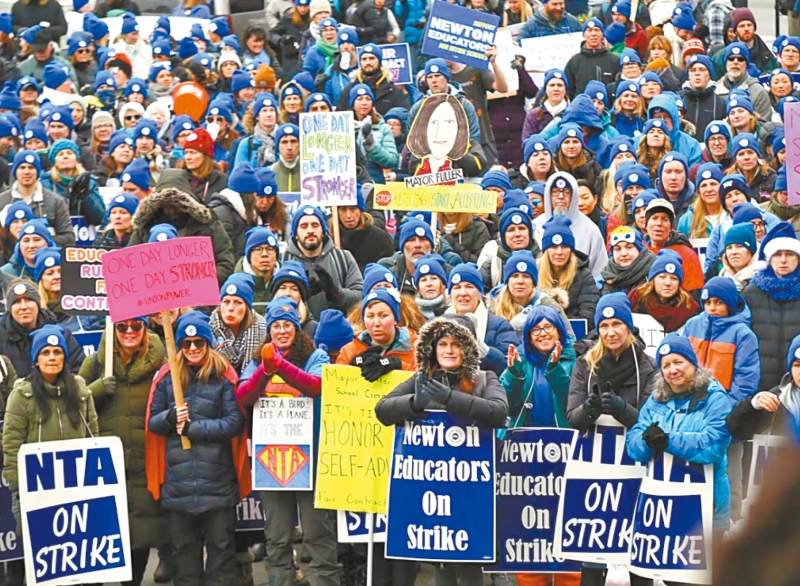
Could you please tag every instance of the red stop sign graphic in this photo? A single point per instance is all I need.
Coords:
(384, 198)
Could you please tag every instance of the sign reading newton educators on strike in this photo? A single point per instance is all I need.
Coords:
(10, 542)
(74, 512)
(283, 443)
(530, 478)
(354, 527)
(673, 522)
(354, 447)
(441, 494)
(467, 198)
(327, 159)
(598, 497)
(396, 58)
(149, 278)
(459, 34)
(83, 289)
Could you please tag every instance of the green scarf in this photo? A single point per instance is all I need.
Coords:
(327, 49)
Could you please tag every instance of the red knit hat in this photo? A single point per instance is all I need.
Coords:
(741, 14)
(200, 140)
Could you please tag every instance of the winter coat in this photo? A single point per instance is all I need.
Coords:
(203, 189)
(671, 316)
(728, 348)
(758, 95)
(15, 343)
(763, 184)
(229, 208)
(582, 294)
(616, 278)
(51, 207)
(590, 64)
(368, 244)
(34, 68)
(387, 94)
(288, 179)
(397, 265)
(693, 278)
(745, 420)
(402, 347)
(91, 208)
(634, 391)
(17, 268)
(203, 478)
(26, 14)
(382, 153)
(716, 242)
(697, 434)
(335, 80)
(108, 239)
(629, 126)
(122, 414)
(262, 295)
(363, 16)
(687, 219)
(703, 107)
(535, 121)
(469, 243)
(286, 39)
(540, 26)
(498, 335)
(411, 12)
(247, 150)
(681, 142)
(493, 259)
(8, 378)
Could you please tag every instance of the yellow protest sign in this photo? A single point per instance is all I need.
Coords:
(355, 449)
(465, 197)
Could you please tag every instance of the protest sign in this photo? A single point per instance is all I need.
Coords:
(83, 289)
(250, 514)
(397, 59)
(506, 54)
(765, 449)
(149, 278)
(673, 522)
(551, 52)
(700, 246)
(598, 497)
(791, 118)
(89, 341)
(74, 512)
(10, 543)
(85, 234)
(354, 447)
(530, 476)
(327, 159)
(459, 34)
(283, 443)
(468, 198)
(438, 178)
(441, 494)
(579, 327)
(354, 527)
(650, 330)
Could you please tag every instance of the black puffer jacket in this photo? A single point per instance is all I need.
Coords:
(387, 95)
(368, 244)
(581, 298)
(364, 17)
(231, 210)
(469, 243)
(702, 108)
(588, 65)
(15, 343)
(744, 421)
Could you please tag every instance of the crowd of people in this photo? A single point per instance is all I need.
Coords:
(646, 177)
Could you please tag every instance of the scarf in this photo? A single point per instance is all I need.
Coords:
(616, 372)
(159, 90)
(238, 348)
(289, 165)
(330, 50)
(554, 110)
(626, 278)
(779, 288)
(266, 152)
(431, 308)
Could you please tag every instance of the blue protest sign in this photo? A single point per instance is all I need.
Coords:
(397, 59)
(673, 522)
(89, 341)
(601, 483)
(74, 511)
(10, 544)
(250, 514)
(354, 527)
(579, 327)
(85, 234)
(441, 493)
(530, 471)
(459, 34)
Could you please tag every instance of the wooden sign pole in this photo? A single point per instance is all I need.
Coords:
(172, 354)
(336, 236)
(109, 348)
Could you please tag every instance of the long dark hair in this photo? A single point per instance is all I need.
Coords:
(67, 384)
(299, 352)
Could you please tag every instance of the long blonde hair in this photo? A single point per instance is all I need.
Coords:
(144, 347)
(504, 305)
(596, 353)
(525, 12)
(652, 163)
(609, 196)
(699, 228)
(549, 277)
(637, 111)
(463, 221)
(214, 367)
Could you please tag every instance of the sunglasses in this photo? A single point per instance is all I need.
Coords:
(188, 343)
(211, 119)
(739, 59)
(82, 51)
(133, 326)
(133, 117)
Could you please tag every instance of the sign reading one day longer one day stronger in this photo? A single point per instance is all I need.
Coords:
(459, 34)
(149, 278)
(327, 159)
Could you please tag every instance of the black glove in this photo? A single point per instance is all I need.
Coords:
(79, 188)
(613, 404)
(285, 40)
(655, 438)
(185, 430)
(593, 405)
(314, 285)
(358, 359)
(420, 400)
(418, 24)
(366, 133)
(326, 282)
(437, 391)
(375, 366)
(110, 384)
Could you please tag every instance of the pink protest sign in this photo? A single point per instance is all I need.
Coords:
(149, 278)
(791, 117)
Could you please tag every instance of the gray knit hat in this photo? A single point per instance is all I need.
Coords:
(19, 288)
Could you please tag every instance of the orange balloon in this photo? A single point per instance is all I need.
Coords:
(190, 98)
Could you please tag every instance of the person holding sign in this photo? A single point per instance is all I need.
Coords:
(374, 139)
(201, 486)
(685, 416)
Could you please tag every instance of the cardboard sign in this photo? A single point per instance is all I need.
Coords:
(530, 474)
(250, 514)
(354, 527)
(765, 449)
(791, 118)
(74, 512)
(283, 443)
(354, 447)
(149, 278)
(327, 159)
(438, 178)
(650, 330)
(673, 523)
(551, 52)
(466, 197)
(459, 34)
(83, 288)
(397, 59)
(601, 483)
(441, 495)
(10, 542)
(85, 234)
(89, 341)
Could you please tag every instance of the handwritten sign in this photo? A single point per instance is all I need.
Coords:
(650, 330)
(83, 289)
(551, 52)
(74, 512)
(449, 176)
(283, 443)
(791, 117)
(459, 34)
(149, 278)
(397, 59)
(354, 527)
(435, 198)
(327, 159)
(354, 447)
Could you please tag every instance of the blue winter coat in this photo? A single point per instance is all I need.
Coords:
(697, 434)
(539, 26)
(91, 208)
(200, 11)
(410, 12)
(583, 113)
(336, 84)
(313, 61)
(716, 242)
(203, 478)
(628, 125)
(681, 142)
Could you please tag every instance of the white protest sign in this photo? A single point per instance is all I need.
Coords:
(328, 159)
(700, 246)
(650, 331)
(506, 53)
(553, 52)
(283, 443)
(765, 448)
(74, 512)
(354, 527)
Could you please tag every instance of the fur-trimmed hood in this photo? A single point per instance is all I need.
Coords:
(435, 329)
(151, 208)
(662, 392)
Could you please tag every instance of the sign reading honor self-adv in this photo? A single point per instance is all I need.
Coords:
(327, 159)
(459, 34)
(74, 512)
(441, 494)
(283, 440)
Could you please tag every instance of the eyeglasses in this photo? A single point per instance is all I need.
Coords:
(217, 119)
(737, 59)
(281, 327)
(546, 329)
(555, 192)
(717, 139)
(132, 117)
(189, 343)
(759, 225)
(133, 326)
(259, 250)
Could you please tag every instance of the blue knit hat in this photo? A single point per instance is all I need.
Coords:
(358, 90)
(240, 285)
(534, 144)
(18, 210)
(739, 102)
(557, 232)
(593, 23)
(745, 212)
(29, 157)
(347, 34)
(282, 309)
(568, 130)
(196, 32)
(37, 227)
(518, 199)
(389, 296)
(437, 65)
(628, 56)
(793, 354)
(193, 324)
(267, 182)
(290, 89)
(259, 236)
(514, 216)
(241, 80)
(138, 173)
(263, 100)
(372, 49)
(330, 22)
(652, 76)
(308, 210)
(288, 129)
(781, 181)
(45, 258)
(219, 107)
(162, 233)
(743, 234)
(316, 98)
(7, 22)
(536, 315)
(635, 174)
(412, 228)
(709, 170)
(95, 26)
(615, 33)
(231, 41)
(203, 59)
(683, 17)
(161, 47)
(496, 178)
(621, 144)
(652, 123)
(187, 48)
(733, 181)
(119, 138)
(54, 74)
(743, 141)
(626, 234)
(243, 179)
(294, 272)
(597, 91)
(129, 24)
(27, 81)
(157, 68)
(374, 274)
(675, 344)
(614, 305)
(136, 85)
(673, 156)
(557, 74)
(145, 128)
(333, 331)
(724, 289)
(622, 7)
(666, 261)
(739, 49)
(104, 78)
(520, 261)
(466, 273)
(219, 26)
(181, 123)
(430, 264)
(783, 101)
(34, 128)
(703, 60)
(49, 335)
(717, 127)
(126, 201)
(780, 237)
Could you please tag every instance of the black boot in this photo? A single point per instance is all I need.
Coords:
(593, 576)
(164, 571)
